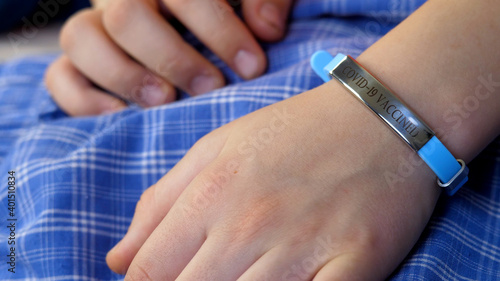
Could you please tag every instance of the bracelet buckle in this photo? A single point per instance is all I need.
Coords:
(454, 184)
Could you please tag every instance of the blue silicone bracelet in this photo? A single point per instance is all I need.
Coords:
(451, 173)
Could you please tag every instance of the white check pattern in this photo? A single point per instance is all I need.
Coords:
(78, 179)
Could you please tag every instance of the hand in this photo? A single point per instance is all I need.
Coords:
(295, 191)
(127, 47)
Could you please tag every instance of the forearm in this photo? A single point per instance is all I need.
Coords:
(437, 61)
(433, 61)
(444, 62)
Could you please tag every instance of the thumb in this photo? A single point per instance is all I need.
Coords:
(267, 18)
(157, 200)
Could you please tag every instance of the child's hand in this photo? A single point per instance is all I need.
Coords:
(306, 198)
(127, 47)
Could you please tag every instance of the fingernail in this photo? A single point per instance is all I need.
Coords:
(153, 95)
(271, 14)
(204, 83)
(246, 64)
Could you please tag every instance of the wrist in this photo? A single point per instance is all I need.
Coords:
(452, 89)
(371, 141)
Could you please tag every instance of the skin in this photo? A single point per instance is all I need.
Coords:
(129, 48)
(315, 202)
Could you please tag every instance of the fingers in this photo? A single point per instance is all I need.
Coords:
(147, 216)
(292, 264)
(168, 249)
(179, 237)
(161, 59)
(267, 18)
(143, 33)
(284, 262)
(156, 202)
(173, 243)
(75, 94)
(219, 260)
(94, 54)
(351, 266)
(218, 27)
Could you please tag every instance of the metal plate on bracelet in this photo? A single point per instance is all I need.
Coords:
(382, 102)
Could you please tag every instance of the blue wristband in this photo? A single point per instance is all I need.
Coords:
(451, 173)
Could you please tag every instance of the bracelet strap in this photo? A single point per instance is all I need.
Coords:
(451, 173)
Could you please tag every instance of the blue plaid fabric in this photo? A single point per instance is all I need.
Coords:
(78, 179)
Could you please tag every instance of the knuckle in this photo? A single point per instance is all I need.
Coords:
(210, 189)
(146, 201)
(256, 216)
(366, 238)
(138, 272)
(205, 143)
(212, 184)
(116, 76)
(126, 80)
(117, 15)
(71, 32)
(169, 66)
(179, 4)
(49, 78)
